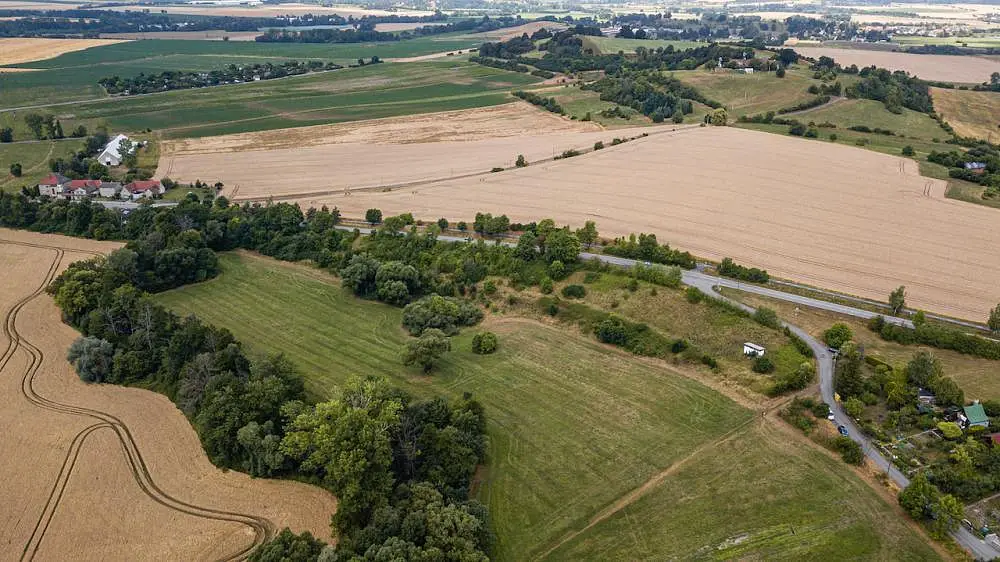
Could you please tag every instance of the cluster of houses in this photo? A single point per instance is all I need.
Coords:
(61, 187)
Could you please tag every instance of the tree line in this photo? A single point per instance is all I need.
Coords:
(180, 79)
(365, 32)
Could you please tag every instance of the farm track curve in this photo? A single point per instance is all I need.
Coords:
(262, 528)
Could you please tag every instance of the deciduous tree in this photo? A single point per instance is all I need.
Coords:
(426, 349)
(897, 300)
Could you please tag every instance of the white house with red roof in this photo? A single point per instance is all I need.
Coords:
(142, 188)
(51, 185)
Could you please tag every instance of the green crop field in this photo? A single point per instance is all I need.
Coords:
(574, 426)
(351, 94)
(628, 46)
(74, 76)
(747, 94)
(981, 41)
(874, 114)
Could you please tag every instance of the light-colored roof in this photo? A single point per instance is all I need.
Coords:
(753, 345)
(976, 413)
(112, 147)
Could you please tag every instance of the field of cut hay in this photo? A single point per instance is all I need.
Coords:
(208, 35)
(17, 50)
(338, 158)
(830, 215)
(971, 114)
(101, 472)
(271, 11)
(945, 68)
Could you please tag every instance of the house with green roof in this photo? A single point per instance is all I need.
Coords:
(975, 415)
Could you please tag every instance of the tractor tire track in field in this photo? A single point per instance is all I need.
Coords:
(262, 528)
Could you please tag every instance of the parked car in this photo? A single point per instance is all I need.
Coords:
(843, 430)
(831, 417)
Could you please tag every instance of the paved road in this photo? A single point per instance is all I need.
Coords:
(824, 360)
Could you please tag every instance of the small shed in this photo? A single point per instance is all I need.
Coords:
(753, 350)
(976, 167)
(975, 416)
(925, 396)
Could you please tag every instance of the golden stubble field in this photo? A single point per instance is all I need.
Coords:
(971, 114)
(365, 154)
(829, 215)
(101, 472)
(946, 68)
(17, 50)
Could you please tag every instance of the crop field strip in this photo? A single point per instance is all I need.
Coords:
(611, 448)
(263, 529)
(944, 68)
(897, 224)
(84, 463)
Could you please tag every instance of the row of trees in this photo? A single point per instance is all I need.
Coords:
(179, 79)
(364, 31)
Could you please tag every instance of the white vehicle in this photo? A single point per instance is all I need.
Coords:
(831, 417)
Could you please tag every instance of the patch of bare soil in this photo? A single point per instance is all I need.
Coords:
(102, 472)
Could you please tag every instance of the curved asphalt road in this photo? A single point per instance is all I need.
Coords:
(824, 360)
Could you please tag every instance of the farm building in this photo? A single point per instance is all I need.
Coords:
(975, 416)
(52, 185)
(975, 167)
(753, 350)
(111, 155)
(142, 188)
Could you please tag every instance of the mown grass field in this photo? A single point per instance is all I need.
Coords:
(609, 45)
(74, 76)
(574, 426)
(34, 159)
(368, 92)
(979, 378)
(873, 114)
(747, 94)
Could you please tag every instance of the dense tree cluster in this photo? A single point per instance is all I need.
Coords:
(652, 93)
(645, 247)
(729, 268)
(936, 335)
(549, 104)
(509, 49)
(179, 80)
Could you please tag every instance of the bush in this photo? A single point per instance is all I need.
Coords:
(908, 150)
(950, 430)
(484, 343)
(92, 358)
(694, 295)
(598, 145)
(833, 137)
(574, 291)
(800, 344)
(489, 288)
(798, 379)
(679, 346)
(633, 285)
(763, 365)
(837, 335)
(849, 450)
(444, 313)
(546, 285)
(766, 317)
(521, 162)
(657, 274)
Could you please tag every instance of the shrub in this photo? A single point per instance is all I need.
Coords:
(591, 276)
(908, 150)
(710, 361)
(444, 313)
(763, 365)
(373, 216)
(92, 358)
(849, 450)
(484, 343)
(495, 170)
(694, 295)
(521, 162)
(679, 346)
(598, 145)
(950, 430)
(633, 285)
(800, 344)
(837, 335)
(833, 137)
(574, 291)
(546, 285)
(557, 270)
(658, 274)
(766, 317)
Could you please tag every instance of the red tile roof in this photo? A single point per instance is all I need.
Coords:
(76, 184)
(143, 185)
(51, 179)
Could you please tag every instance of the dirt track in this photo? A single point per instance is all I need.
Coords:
(833, 216)
(100, 472)
(335, 158)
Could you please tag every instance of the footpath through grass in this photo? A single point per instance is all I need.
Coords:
(574, 426)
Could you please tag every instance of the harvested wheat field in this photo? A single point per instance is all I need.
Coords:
(830, 215)
(101, 472)
(271, 10)
(946, 68)
(207, 35)
(335, 158)
(971, 114)
(26, 49)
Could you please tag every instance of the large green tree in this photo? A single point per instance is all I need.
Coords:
(426, 349)
(897, 300)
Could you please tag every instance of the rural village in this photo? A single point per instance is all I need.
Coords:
(428, 280)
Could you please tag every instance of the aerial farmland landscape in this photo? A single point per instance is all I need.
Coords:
(459, 280)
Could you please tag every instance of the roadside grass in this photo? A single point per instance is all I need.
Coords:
(612, 45)
(74, 76)
(971, 114)
(34, 159)
(970, 193)
(573, 424)
(873, 114)
(979, 378)
(368, 92)
(712, 330)
(747, 94)
(786, 501)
